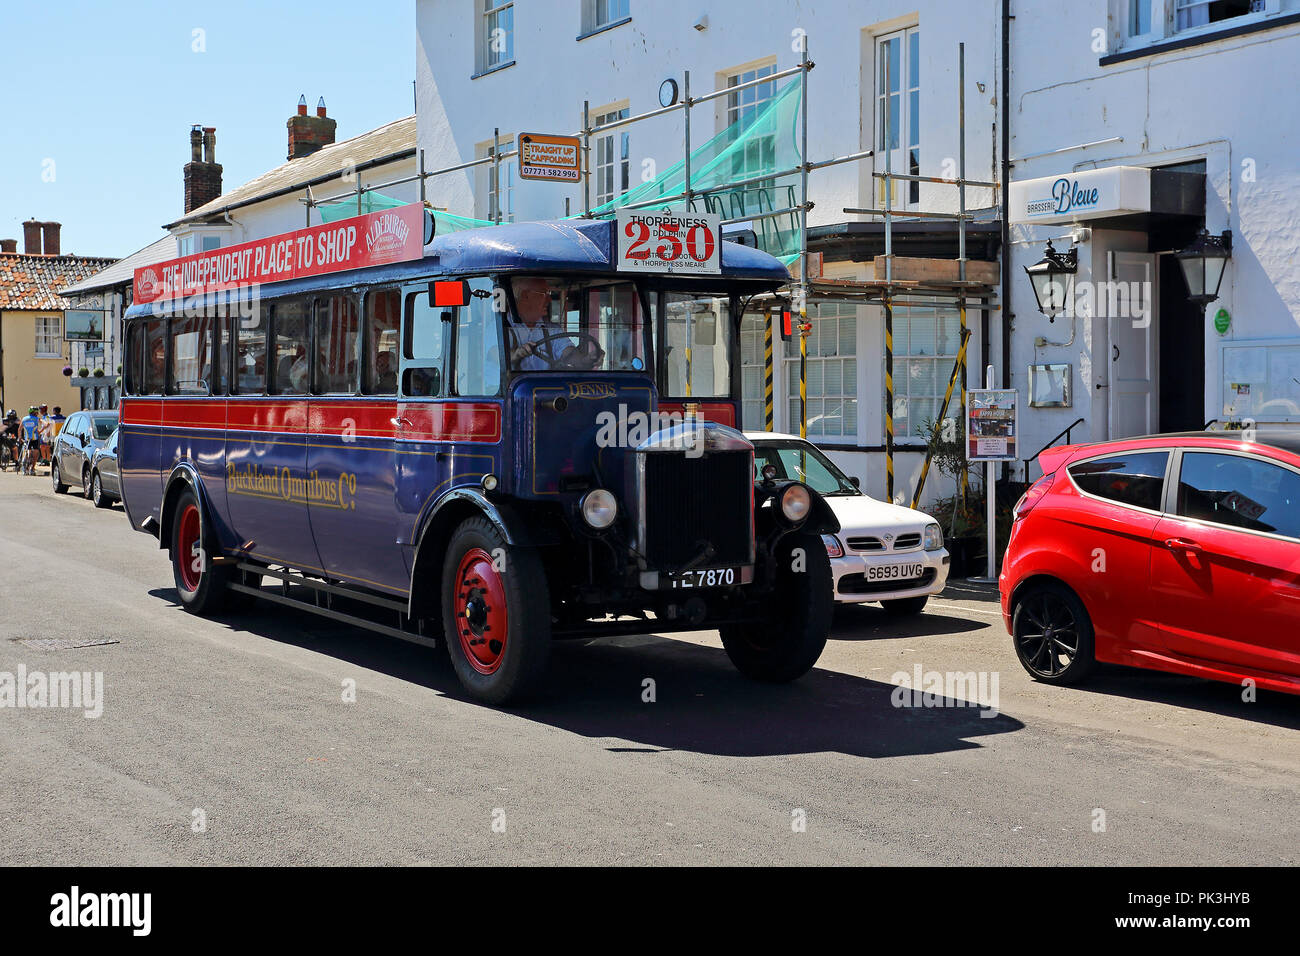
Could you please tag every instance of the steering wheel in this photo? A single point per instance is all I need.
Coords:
(587, 350)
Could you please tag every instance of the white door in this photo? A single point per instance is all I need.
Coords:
(1130, 304)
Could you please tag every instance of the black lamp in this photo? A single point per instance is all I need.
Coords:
(1203, 263)
(1053, 278)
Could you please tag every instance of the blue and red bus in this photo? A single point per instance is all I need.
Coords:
(502, 442)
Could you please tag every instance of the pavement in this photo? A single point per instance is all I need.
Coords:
(271, 737)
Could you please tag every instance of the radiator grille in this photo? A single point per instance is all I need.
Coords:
(692, 500)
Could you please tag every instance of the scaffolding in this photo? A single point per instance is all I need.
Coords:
(887, 291)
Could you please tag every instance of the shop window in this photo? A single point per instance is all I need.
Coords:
(926, 340)
(832, 385)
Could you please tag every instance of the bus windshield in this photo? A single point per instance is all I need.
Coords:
(559, 325)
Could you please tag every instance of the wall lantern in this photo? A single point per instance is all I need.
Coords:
(1053, 279)
(1203, 263)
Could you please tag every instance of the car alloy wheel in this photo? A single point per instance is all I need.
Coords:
(1048, 640)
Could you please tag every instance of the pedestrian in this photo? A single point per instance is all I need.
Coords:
(56, 423)
(44, 436)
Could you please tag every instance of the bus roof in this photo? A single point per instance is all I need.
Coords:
(558, 246)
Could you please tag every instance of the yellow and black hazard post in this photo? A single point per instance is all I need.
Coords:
(767, 372)
(805, 329)
(889, 400)
(961, 358)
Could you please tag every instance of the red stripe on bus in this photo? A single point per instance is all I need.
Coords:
(450, 421)
(429, 421)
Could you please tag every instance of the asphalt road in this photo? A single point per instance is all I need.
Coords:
(244, 719)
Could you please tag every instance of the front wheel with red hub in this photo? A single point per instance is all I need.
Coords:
(496, 613)
(200, 585)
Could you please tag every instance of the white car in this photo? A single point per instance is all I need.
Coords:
(884, 552)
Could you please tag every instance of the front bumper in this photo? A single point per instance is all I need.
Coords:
(853, 584)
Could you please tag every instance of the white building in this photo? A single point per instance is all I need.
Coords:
(1178, 113)
(492, 65)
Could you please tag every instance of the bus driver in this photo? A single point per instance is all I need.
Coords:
(536, 341)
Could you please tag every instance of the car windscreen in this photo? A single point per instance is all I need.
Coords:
(104, 426)
(800, 461)
(564, 325)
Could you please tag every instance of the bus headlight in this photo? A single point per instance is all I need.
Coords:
(933, 537)
(599, 508)
(795, 503)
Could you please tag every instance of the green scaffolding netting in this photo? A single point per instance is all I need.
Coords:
(762, 140)
(445, 222)
(759, 142)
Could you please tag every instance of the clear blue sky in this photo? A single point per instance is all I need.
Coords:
(108, 92)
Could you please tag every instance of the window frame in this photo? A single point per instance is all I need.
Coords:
(908, 120)
(790, 367)
(56, 338)
(590, 26)
(1173, 455)
(487, 60)
(620, 153)
(1172, 486)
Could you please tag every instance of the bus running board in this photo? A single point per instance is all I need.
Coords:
(286, 578)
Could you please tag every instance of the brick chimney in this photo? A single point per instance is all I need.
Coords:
(8, 246)
(50, 233)
(202, 172)
(31, 238)
(307, 134)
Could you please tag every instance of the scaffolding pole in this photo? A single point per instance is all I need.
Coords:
(889, 279)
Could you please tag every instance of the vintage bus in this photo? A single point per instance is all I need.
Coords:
(502, 442)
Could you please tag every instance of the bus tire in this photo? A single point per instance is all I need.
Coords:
(795, 621)
(200, 585)
(496, 614)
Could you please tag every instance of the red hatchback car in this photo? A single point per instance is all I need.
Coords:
(1175, 552)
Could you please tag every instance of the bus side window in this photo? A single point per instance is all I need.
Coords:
(478, 343)
(133, 363)
(191, 364)
(424, 346)
(249, 370)
(338, 346)
(155, 356)
(383, 308)
(291, 359)
(222, 364)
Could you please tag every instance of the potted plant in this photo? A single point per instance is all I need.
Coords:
(98, 373)
(83, 372)
(67, 370)
(960, 515)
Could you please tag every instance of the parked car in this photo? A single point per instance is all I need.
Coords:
(1178, 553)
(883, 552)
(70, 459)
(105, 479)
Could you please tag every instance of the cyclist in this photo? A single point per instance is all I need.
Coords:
(9, 437)
(31, 425)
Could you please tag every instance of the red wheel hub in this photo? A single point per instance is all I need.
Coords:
(482, 621)
(187, 541)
